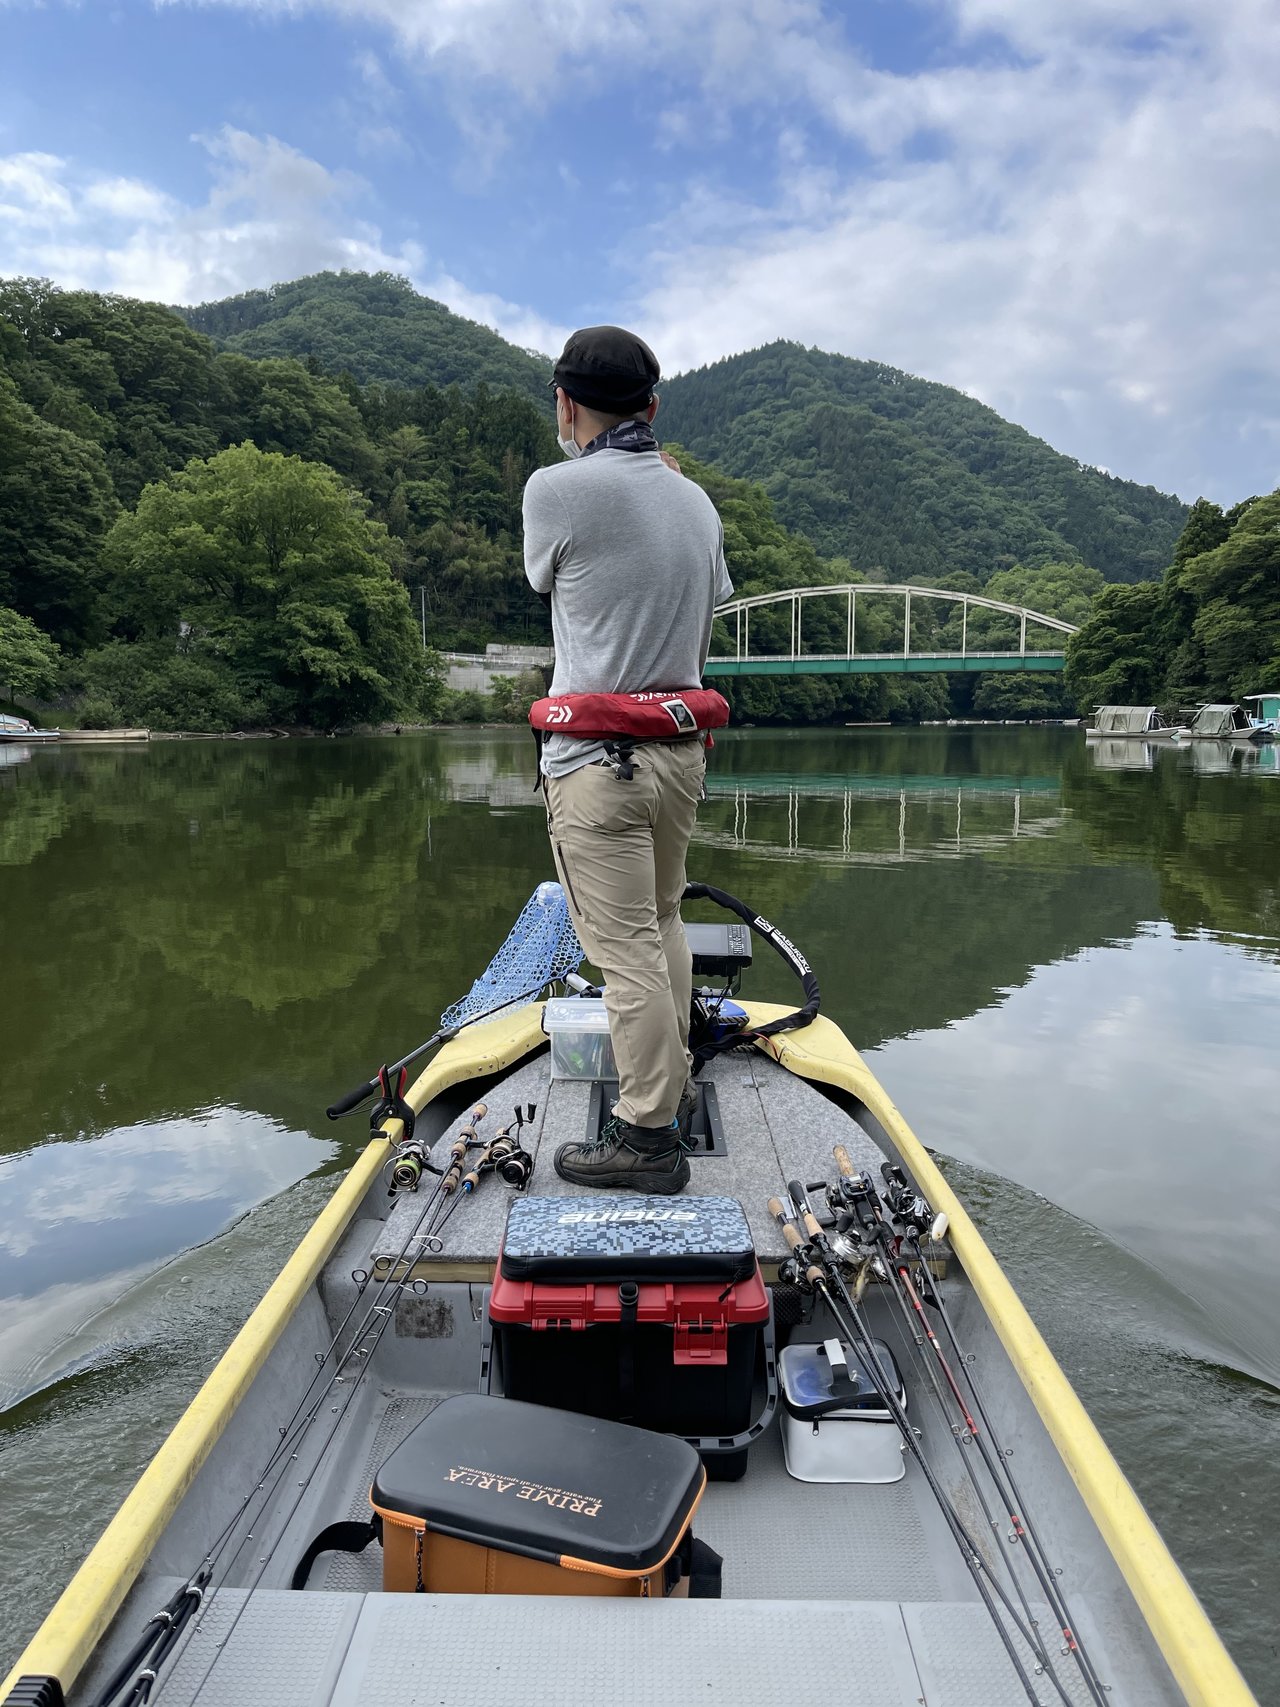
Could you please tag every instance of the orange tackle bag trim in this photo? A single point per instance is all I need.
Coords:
(493, 1496)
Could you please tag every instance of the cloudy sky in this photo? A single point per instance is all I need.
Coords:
(1066, 207)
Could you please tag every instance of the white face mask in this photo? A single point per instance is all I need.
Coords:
(569, 446)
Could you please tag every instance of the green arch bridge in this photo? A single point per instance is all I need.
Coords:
(901, 661)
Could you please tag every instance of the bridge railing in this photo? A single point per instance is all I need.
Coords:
(738, 613)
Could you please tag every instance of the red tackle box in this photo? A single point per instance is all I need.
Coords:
(646, 1310)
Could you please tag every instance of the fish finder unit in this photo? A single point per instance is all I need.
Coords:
(719, 951)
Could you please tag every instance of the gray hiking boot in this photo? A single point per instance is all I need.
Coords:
(628, 1158)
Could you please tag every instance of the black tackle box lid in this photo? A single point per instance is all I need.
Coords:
(545, 1483)
(618, 1235)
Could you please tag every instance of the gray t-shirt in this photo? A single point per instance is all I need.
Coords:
(633, 557)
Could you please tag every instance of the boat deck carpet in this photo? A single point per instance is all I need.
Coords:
(777, 1127)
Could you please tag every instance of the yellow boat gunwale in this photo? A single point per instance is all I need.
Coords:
(1192, 1648)
(81, 1614)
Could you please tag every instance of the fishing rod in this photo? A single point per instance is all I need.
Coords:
(815, 1264)
(540, 949)
(155, 1645)
(910, 1214)
(503, 1155)
(854, 1194)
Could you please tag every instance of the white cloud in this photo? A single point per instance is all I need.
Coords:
(128, 198)
(1088, 247)
(272, 213)
(518, 325)
(1066, 210)
(31, 187)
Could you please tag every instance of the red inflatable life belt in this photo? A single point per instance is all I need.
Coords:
(660, 714)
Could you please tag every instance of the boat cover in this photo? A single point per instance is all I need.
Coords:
(1219, 720)
(1125, 719)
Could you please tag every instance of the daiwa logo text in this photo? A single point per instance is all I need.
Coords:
(561, 713)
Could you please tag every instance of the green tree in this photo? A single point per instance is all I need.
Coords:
(30, 662)
(1236, 588)
(55, 506)
(270, 568)
(1120, 654)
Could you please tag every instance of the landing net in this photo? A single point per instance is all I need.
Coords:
(542, 946)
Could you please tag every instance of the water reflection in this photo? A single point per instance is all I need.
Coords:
(861, 821)
(1070, 970)
(83, 1221)
(1117, 755)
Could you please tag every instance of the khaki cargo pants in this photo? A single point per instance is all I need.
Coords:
(620, 851)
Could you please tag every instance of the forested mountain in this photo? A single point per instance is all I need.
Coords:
(909, 479)
(190, 535)
(127, 518)
(373, 326)
(213, 540)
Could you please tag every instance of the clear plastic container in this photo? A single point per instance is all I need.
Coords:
(578, 1027)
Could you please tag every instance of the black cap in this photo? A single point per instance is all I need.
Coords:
(607, 369)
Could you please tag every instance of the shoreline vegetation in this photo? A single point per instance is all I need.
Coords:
(257, 528)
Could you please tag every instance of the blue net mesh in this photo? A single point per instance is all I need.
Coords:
(542, 946)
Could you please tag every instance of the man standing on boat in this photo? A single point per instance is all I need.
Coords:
(632, 557)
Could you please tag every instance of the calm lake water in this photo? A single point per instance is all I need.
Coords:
(1063, 961)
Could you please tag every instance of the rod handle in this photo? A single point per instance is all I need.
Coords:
(777, 1211)
(471, 1179)
(844, 1165)
(815, 1276)
(811, 1226)
(353, 1099)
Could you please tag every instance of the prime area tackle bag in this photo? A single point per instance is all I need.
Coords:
(646, 1310)
(660, 714)
(489, 1496)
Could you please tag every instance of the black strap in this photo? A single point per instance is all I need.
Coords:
(348, 1537)
(782, 946)
(705, 1567)
(628, 1307)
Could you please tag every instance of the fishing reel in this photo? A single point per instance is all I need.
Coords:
(855, 1207)
(511, 1162)
(904, 1202)
(412, 1160)
(507, 1156)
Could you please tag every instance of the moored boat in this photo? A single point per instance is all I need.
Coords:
(1266, 714)
(1130, 723)
(19, 730)
(925, 1513)
(1224, 723)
